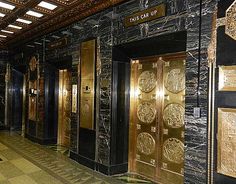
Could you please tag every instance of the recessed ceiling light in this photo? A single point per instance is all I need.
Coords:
(13, 26)
(33, 13)
(30, 46)
(3, 36)
(54, 36)
(2, 15)
(24, 21)
(7, 6)
(47, 5)
(5, 31)
(37, 43)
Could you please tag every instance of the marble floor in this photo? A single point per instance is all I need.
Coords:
(25, 162)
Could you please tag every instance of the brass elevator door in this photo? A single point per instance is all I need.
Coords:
(64, 108)
(156, 132)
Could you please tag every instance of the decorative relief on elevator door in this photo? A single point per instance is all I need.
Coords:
(230, 21)
(147, 81)
(174, 115)
(175, 80)
(226, 147)
(173, 150)
(145, 143)
(146, 112)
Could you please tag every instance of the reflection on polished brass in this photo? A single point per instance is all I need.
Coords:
(226, 144)
(147, 81)
(146, 143)
(156, 142)
(173, 150)
(230, 21)
(87, 91)
(227, 78)
(174, 115)
(64, 108)
(146, 112)
(32, 108)
(74, 98)
(175, 80)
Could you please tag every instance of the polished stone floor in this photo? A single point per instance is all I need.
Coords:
(25, 162)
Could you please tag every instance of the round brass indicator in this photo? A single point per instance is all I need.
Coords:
(145, 143)
(173, 150)
(175, 81)
(33, 64)
(174, 115)
(146, 112)
(147, 81)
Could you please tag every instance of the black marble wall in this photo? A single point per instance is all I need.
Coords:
(3, 60)
(193, 16)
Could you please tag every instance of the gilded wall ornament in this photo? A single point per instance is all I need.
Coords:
(145, 143)
(146, 112)
(230, 26)
(33, 64)
(175, 81)
(147, 81)
(174, 115)
(173, 150)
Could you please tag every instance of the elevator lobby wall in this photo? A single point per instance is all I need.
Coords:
(107, 28)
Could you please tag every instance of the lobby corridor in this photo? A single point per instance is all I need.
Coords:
(24, 162)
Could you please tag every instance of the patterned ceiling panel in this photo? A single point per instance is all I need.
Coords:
(46, 20)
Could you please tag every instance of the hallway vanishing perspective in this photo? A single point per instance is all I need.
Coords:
(23, 162)
(117, 91)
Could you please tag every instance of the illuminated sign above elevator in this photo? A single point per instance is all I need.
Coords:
(146, 15)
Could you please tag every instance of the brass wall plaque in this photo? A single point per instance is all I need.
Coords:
(87, 90)
(146, 15)
(227, 78)
(58, 43)
(226, 144)
(74, 98)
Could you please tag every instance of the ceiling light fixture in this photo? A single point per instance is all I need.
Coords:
(13, 26)
(56, 37)
(33, 13)
(2, 15)
(37, 43)
(47, 5)
(5, 31)
(24, 21)
(3, 36)
(7, 6)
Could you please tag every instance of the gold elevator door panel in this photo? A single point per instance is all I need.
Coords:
(64, 108)
(156, 118)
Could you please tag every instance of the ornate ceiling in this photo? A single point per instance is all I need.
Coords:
(55, 15)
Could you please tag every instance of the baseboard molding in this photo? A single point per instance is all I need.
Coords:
(113, 169)
(87, 162)
(41, 141)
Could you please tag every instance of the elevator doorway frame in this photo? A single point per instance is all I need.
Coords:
(160, 104)
(121, 56)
